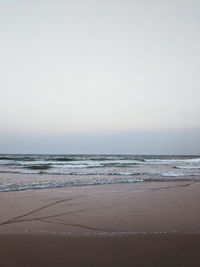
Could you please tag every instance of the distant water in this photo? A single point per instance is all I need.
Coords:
(20, 172)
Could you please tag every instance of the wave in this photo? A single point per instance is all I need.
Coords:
(48, 170)
(17, 158)
(58, 184)
(173, 174)
(42, 162)
(187, 167)
(68, 157)
(42, 185)
(56, 172)
(157, 160)
(72, 164)
(97, 173)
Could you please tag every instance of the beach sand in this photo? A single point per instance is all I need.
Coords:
(141, 224)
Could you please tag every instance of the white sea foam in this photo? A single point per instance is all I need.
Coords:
(187, 167)
(40, 185)
(169, 161)
(174, 174)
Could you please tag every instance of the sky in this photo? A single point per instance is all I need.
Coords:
(100, 76)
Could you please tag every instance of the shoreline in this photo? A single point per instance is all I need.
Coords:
(138, 207)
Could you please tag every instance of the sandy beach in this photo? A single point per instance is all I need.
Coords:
(141, 224)
(135, 250)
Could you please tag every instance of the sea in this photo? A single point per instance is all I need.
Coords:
(36, 171)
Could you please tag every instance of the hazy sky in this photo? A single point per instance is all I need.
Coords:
(100, 76)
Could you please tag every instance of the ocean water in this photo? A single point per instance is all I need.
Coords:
(21, 172)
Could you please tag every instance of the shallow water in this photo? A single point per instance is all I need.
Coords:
(47, 171)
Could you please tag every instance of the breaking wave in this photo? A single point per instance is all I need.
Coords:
(21, 172)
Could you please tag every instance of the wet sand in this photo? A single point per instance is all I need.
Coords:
(142, 224)
(135, 250)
